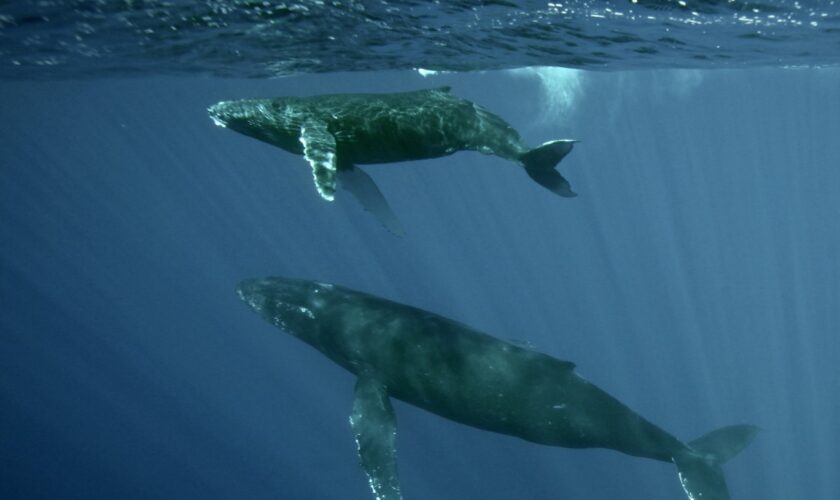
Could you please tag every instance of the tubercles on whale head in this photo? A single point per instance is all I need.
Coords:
(274, 121)
(246, 116)
(292, 305)
(218, 113)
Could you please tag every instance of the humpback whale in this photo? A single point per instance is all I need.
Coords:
(336, 132)
(447, 368)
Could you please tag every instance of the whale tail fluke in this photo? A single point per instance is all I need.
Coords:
(699, 466)
(540, 164)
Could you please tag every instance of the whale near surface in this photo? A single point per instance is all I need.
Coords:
(447, 368)
(336, 132)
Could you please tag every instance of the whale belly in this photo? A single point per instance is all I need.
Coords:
(496, 387)
(536, 414)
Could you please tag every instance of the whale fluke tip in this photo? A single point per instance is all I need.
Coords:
(540, 164)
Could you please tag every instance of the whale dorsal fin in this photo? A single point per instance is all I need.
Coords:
(319, 151)
(375, 430)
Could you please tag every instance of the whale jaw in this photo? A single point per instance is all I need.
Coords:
(218, 113)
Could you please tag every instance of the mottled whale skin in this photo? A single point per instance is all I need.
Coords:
(464, 375)
(336, 132)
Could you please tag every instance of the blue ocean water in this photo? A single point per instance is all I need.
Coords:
(695, 278)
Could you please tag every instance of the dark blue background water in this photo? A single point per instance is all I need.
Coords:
(695, 278)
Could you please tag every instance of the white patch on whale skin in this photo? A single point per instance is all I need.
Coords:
(306, 311)
(279, 322)
(217, 122)
(319, 151)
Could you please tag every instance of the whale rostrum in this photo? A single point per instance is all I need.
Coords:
(447, 368)
(334, 133)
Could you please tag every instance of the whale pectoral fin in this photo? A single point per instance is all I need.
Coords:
(359, 183)
(319, 151)
(375, 430)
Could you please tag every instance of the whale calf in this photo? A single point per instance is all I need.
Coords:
(447, 368)
(336, 132)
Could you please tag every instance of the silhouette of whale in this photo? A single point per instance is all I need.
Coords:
(461, 374)
(336, 132)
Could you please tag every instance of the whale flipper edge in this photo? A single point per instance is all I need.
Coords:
(319, 150)
(375, 429)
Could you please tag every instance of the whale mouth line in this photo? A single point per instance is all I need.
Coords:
(218, 121)
(213, 111)
(227, 113)
(249, 293)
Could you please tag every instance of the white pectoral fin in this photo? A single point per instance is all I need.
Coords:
(375, 430)
(319, 151)
(359, 183)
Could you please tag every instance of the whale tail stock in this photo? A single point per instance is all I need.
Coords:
(540, 164)
(699, 465)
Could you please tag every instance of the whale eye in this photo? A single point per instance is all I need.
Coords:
(319, 295)
(317, 302)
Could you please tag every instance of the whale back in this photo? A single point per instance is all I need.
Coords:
(366, 128)
(386, 128)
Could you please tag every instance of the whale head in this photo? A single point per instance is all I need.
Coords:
(242, 115)
(268, 120)
(296, 306)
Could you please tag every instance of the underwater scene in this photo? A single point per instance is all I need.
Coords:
(354, 250)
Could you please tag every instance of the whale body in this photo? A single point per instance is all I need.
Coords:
(337, 132)
(449, 369)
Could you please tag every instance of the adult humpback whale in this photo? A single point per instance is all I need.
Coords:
(336, 132)
(461, 374)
